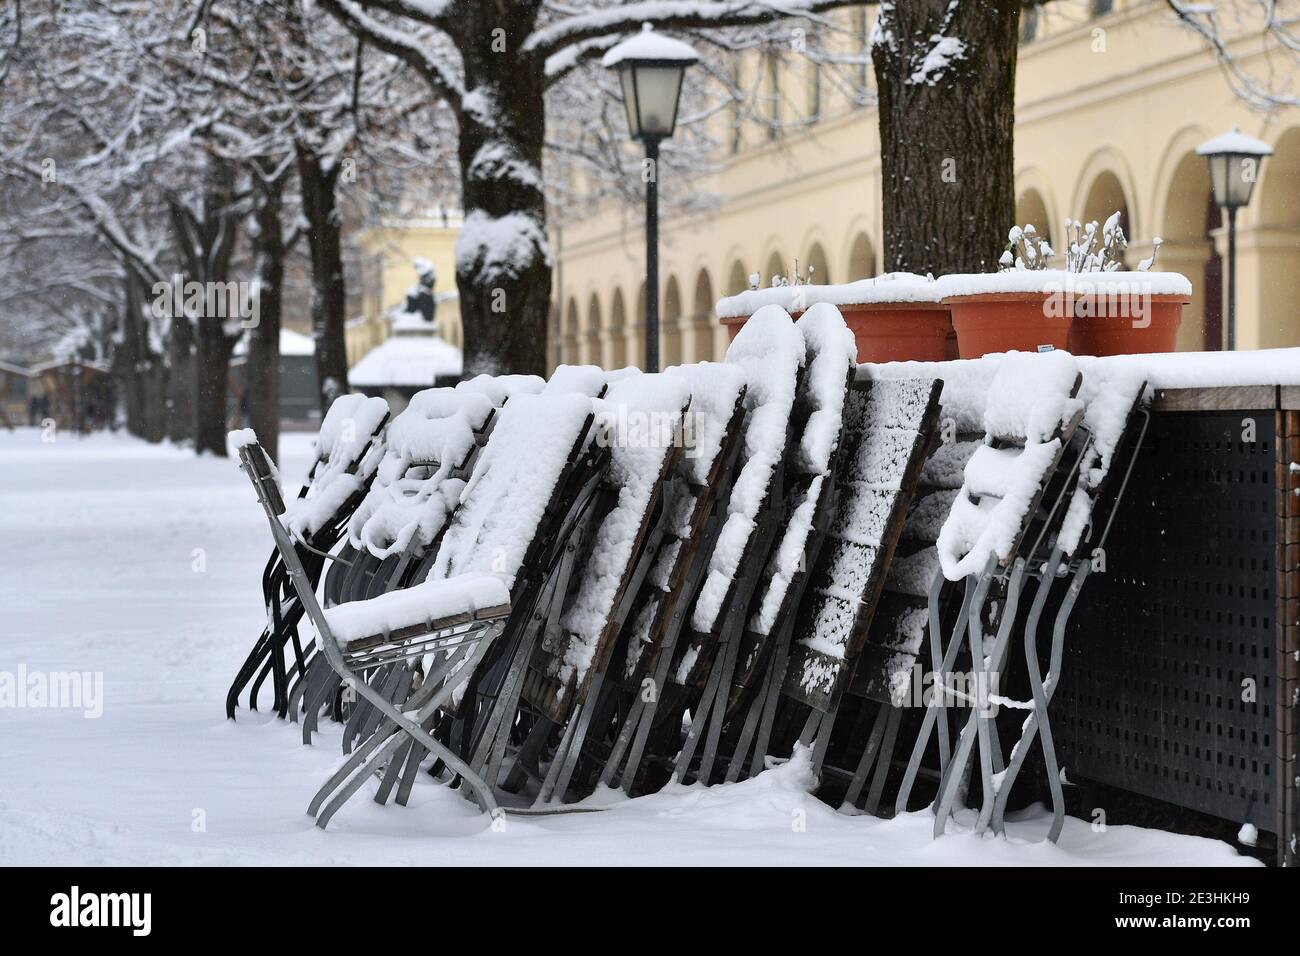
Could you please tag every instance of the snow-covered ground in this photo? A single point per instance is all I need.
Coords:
(141, 563)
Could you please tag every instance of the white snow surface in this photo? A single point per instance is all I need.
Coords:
(406, 360)
(499, 388)
(831, 353)
(577, 380)
(770, 351)
(649, 45)
(1235, 141)
(119, 517)
(514, 478)
(715, 388)
(891, 287)
(1060, 281)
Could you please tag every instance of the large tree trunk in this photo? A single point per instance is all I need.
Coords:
(262, 373)
(503, 262)
(317, 177)
(212, 387)
(946, 131)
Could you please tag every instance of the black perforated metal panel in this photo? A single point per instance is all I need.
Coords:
(1168, 686)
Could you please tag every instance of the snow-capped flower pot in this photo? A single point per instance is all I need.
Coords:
(895, 317)
(1087, 313)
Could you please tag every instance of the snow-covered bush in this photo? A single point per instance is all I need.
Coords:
(1088, 249)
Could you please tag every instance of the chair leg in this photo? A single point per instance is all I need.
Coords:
(1038, 721)
(977, 722)
(884, 760)
(868, 759)
(937, 711)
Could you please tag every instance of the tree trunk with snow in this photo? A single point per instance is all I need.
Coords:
(503, 262)
(946, 73)
(262, 373)
(318, 177)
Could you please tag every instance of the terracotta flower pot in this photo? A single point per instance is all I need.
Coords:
(1154, 330)
(1101, 313)
(891, 331)
(1006, 321)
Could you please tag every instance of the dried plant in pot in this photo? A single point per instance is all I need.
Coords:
(894, 317)
(1092, 306)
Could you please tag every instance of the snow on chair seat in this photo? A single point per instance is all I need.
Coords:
(346, 458)
(397, 616)
(1030, 414)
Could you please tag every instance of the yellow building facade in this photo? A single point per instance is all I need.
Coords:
(390, 250)
(1111, 101)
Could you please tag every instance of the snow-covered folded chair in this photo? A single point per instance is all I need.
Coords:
(429, 450)
(758, 671)
(641, 418)
(701, 490)
(889, 428)
(1009, 507)
(531, 486)
(771, 353)
(1116, 422)
(347, 454)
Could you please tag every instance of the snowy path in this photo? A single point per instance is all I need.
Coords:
(98, 561)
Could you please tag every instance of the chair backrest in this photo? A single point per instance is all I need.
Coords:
(500, 388)
(641, 419)
(888, 429)
(348, 451)
(515, 479)
(831, 356)
(702, 477)
(1112, 396)
(1029, 415)
(590, 380)
(416, 486)
(770, 351)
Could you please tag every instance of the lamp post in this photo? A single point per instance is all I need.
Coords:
(1234, 160)
(650, 67)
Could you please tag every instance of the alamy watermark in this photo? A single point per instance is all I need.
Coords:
(53, 690)
(208, 300)
(1115, 298)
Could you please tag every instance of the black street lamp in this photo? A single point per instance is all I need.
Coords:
(650, 67)
(1234, 160)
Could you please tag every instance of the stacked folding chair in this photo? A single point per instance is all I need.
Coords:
(347, 451)
(889, 429)
(1001, 527)
(771, 352)
(495, 567)
(429, 451)
(699, 499)
(1116, 422)
(818, 421)
(563, 694)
